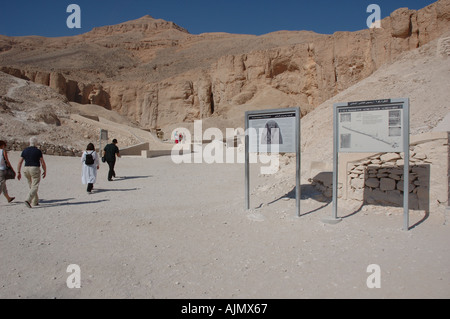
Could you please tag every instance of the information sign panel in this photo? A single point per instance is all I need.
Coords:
(371, 126)
(273, 129)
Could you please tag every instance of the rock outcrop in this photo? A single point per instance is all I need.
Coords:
(157, 74)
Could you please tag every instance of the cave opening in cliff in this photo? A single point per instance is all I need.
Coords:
(212, 103)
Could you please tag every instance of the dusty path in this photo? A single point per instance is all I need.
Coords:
(180, 231)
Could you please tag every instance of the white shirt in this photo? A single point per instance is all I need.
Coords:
(2, 161)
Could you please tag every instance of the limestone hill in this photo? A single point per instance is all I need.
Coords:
(158, 75)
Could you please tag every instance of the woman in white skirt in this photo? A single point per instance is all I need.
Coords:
(91, 164)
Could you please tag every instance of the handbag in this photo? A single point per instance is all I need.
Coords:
(9, 172)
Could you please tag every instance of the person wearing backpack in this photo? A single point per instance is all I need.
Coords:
(91, 164)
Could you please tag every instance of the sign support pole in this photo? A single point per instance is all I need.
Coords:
(334, 218)
(298, 192)
(335, 184)
(406, 167)
(406, 191)
(247, 165)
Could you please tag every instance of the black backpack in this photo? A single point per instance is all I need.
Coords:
(89, 159)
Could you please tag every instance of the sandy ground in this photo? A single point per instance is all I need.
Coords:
(162, 230)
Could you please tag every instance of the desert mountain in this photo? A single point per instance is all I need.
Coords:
(157, 75)
(422, 75)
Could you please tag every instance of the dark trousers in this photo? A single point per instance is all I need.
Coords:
(111, 172)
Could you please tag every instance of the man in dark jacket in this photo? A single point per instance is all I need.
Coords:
(109, 153)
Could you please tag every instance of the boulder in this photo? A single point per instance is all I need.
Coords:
(401, 23)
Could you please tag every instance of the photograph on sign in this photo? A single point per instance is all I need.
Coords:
(370, 128)
(269, 130)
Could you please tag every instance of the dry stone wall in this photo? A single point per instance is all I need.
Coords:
(378, 179)
(46, 148)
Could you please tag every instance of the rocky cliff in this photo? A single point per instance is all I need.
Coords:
(157, 74)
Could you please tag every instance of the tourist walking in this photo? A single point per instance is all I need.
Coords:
(109, 153)
(4, 162)
(90, 166)
(33, 161)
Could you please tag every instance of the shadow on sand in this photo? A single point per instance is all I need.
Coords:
(307, 192)
(123, 178)
(66, 202)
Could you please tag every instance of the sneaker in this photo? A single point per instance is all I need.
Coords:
(27, 203)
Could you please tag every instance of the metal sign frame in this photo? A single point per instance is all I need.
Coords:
(295, 148)
(382, 145)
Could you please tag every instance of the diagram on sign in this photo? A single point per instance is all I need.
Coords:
(370, 128)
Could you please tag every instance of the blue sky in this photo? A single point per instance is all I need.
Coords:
(48, 17)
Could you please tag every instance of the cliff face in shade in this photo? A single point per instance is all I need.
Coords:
(157, 74)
